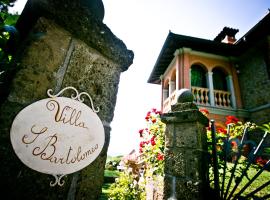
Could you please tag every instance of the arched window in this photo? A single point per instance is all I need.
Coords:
(198, 76)
(219, 79)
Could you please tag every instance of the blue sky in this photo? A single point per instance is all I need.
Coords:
(143, 25)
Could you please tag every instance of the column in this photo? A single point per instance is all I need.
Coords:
(209, 79)
(185, 166)
(231, 90)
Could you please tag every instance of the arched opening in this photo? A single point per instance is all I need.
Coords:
(166, 90)
(199, 84)
(219, 79)
(173, 82)
(198, 76)
(222, 94)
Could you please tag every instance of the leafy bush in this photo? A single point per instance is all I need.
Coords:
(113, 162)
(7, 63)
(126, 187)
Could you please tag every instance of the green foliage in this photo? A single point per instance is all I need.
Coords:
(113, 162)
(111, 173)
(4, 15)
(126, 187)
(265, 127)
(7, 63)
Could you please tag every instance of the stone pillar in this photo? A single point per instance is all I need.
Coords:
(231, 89)
(209, 79)
(185, 152)
(63, 43)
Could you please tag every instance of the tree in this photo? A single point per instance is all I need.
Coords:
(7, 29)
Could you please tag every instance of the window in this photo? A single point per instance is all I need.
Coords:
(219, 79)
(198, 76)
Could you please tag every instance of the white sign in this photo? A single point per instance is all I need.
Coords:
(57, 135)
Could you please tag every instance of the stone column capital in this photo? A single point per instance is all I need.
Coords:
(210, 73)
(189, 113)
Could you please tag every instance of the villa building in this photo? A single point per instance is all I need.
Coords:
(226, 76)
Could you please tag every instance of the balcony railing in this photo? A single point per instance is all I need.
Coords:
(169, 101)
(202, 97)
(222, 98)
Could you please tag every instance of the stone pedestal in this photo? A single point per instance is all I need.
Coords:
(63, 43)
(185, 152)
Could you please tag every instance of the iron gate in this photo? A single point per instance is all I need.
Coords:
(229, 172)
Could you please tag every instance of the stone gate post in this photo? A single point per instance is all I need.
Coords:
(185, 151)
(63, 43)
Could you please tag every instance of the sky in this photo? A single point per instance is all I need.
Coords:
(143, 26)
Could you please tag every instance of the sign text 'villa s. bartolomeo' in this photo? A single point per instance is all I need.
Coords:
(57, 135)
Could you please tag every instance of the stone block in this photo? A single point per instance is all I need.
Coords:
(190, 135)
(184, 189)
(186, 135)
(188, 163)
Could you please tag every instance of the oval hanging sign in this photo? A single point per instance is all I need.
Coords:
(57, 135)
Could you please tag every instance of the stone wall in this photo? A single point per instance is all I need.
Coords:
(64, 47)
(255, 82)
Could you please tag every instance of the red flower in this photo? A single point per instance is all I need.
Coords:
(221, 130)
(158, 112)
(204, 111)
(261, 161)
(140, 150)
(231, 119)
(154, 120)
(142, 144)
(153, 142)
(234, 144)
(141, 132)
(154, 110)
(160, 156)
(148, 116)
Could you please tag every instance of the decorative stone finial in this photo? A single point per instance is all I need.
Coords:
(184, 95)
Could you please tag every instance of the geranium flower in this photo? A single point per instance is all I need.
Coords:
(204, 111)
(221, 130)
(234, 144)
(261, 161)
(231, 119)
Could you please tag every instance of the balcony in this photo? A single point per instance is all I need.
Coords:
(222, 99)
